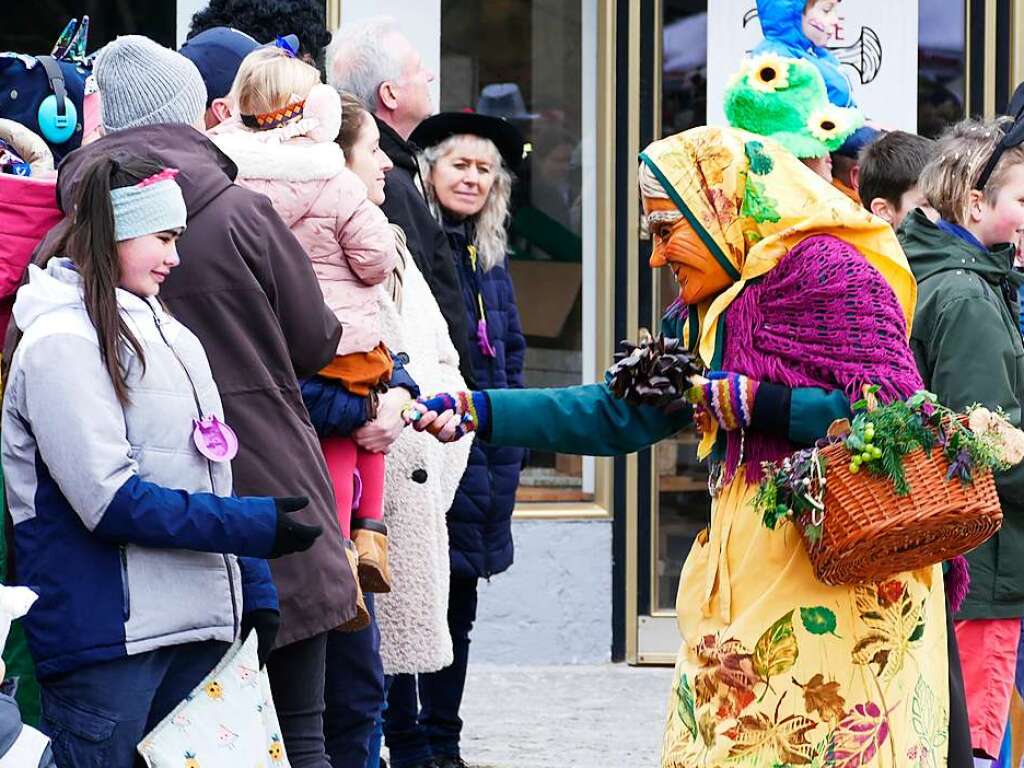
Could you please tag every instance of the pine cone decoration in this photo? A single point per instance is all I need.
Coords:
(655, 372)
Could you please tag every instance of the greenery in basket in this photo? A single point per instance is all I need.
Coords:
(877, 440)
(794, 490)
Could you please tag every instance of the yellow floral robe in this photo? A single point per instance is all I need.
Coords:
(778, 669)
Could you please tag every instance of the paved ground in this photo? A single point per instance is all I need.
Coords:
(606, 716)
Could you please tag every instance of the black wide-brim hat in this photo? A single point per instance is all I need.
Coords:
(444, 125)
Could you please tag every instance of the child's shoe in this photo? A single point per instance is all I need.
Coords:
(371, 539)
(362, 618)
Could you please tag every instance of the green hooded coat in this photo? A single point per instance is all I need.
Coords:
(967, 344)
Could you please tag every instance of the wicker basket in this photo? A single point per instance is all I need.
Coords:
(870, 534)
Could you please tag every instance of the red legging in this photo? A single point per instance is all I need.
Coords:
(344, 460)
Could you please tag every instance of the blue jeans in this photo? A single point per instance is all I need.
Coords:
(354, 692)
(97, 714)
(417, 731)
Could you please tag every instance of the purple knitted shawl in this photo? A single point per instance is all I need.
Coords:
(823, 317)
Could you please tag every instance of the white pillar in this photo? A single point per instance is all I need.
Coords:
(185, 10)
(419, 20)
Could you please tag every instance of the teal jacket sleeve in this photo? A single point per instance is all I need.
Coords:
(590, 420)
(812, 411)
(585, 420)
(802, 414)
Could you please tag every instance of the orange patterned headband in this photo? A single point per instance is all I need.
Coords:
(268, 120)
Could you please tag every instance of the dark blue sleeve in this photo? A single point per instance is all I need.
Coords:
(515, 340)
(153, 516)
(333, 410)
(400, 376)
(258, 590)
(803, 414)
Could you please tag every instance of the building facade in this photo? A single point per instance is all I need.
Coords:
(600, 542)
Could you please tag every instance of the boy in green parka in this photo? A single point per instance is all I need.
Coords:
(968, 347)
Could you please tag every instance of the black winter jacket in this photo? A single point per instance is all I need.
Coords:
(405, 206)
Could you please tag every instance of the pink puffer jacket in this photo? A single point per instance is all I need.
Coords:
(347, 237)
(28, 210)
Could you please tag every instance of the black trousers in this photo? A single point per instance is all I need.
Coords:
(297, 681)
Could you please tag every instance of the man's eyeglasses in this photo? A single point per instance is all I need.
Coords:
(1012, 137)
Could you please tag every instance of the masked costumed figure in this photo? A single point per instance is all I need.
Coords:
(794, 299)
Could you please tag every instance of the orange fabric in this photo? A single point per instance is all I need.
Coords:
(988, 656)
(848, 191)
(361, 372)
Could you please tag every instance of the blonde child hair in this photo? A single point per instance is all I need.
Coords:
(270, 79)
(960, 155)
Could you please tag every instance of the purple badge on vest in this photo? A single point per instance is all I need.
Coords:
(214, 439)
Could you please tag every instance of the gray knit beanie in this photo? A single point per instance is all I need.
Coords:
(142, 83)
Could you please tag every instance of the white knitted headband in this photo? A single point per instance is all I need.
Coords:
(153, 205)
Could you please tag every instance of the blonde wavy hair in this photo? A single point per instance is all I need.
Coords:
(960, 155)
(268, 79)
(490, 224)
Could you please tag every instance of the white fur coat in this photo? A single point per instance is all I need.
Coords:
(413, 617)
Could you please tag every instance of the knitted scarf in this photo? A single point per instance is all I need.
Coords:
(823, 317)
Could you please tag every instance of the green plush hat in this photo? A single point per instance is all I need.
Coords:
(786, 100)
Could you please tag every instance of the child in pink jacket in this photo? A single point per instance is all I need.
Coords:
(282, 141)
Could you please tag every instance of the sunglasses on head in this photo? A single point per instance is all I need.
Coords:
(1012, 137)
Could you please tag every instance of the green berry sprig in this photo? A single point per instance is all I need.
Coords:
(862, 447)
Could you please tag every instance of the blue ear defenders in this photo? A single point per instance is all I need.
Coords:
(57, 117)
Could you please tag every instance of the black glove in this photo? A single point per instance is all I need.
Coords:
(292, 536)
(266, 622)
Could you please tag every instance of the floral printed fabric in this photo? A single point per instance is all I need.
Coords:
(781, 670)
(228, 720)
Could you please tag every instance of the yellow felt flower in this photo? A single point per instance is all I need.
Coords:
(827, 124)
(767, 73)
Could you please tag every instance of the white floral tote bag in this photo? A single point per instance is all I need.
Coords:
(229, 720)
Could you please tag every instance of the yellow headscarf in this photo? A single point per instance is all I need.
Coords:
(751, 201)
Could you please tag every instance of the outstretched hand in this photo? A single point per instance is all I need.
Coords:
(449, 416)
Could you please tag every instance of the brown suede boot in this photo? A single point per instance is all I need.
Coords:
(371, 539)
(362, 618)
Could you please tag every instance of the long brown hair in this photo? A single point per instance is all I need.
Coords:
(353, 113)
(87, 238)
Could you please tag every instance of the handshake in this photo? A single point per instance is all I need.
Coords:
(722, 397)
(449, 416)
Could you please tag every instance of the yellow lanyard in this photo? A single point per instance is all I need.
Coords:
(479, 296)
